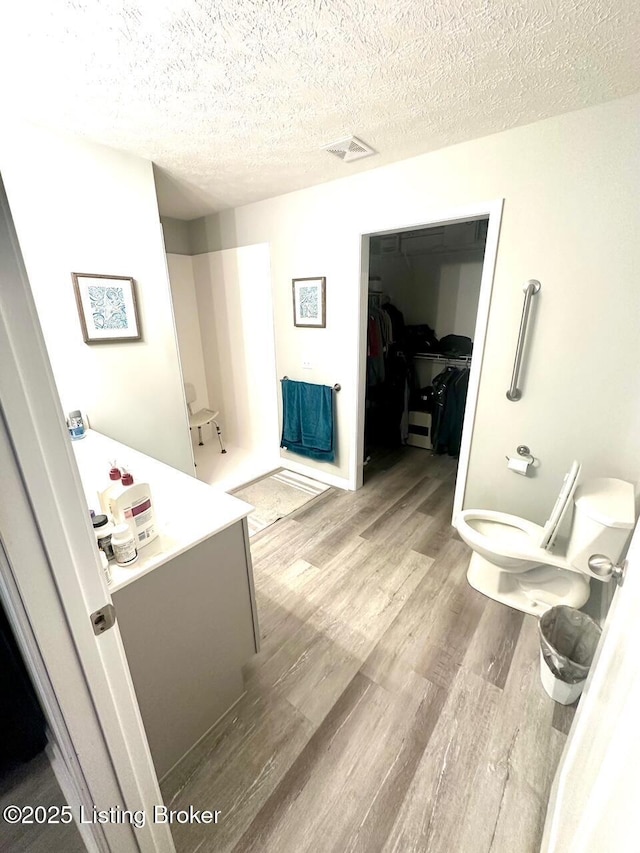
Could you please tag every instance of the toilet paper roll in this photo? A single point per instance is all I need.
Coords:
(520, 466)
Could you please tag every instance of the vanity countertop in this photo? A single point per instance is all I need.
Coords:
(187, 510)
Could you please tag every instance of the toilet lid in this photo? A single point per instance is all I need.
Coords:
(563, 502)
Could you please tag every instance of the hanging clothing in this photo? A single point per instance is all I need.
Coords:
(387, 329)
(450, 397)
(386, 418)
(375, 348)
(459, 400)
(404, 420)
(397, 323)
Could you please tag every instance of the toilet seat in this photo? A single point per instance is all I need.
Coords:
(562, 504)
(513, 543)
(508, 541)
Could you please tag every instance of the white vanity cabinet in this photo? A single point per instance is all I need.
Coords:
(186, 608)
(187, 629)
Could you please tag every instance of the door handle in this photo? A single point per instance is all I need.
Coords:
(606, 569)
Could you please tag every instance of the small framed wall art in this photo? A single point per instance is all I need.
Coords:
(107, 307)
(309, 305)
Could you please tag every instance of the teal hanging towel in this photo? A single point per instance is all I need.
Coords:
(307, 420)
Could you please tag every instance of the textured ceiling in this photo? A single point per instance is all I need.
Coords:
(232, 99)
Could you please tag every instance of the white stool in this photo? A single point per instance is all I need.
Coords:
(201, 417)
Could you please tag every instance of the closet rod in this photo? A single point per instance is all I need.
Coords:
(438, 358)
(336, 387)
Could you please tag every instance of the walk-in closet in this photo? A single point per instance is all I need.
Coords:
(424, 288)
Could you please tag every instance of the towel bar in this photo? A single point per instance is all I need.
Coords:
(336, 387)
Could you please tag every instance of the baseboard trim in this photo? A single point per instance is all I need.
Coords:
(316, 474)
(202, 737)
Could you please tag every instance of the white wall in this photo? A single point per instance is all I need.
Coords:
(176, 236)
(458, 293)
(463, 278)
(439, 289)
(235, 311)
(81, 207)
(185, 309)
(571, 219)
(396, 274)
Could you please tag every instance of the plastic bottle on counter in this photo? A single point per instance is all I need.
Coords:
(103, 530)
(76, 425)
(124, 545)
(133, 506)
(114, 487)
(106, 568)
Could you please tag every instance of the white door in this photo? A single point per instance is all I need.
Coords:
(51, 581)
(594, 801)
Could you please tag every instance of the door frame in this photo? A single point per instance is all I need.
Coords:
(492, 210)
(51, 581)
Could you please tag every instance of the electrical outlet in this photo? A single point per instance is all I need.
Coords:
(306, 365)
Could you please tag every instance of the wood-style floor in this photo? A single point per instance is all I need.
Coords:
(392, 707)
(34, 784)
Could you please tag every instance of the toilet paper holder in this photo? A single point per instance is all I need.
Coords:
(523, 450)
(521, 467)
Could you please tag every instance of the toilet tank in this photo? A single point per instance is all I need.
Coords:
(604, 516)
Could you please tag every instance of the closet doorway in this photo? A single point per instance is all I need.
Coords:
(426, 294)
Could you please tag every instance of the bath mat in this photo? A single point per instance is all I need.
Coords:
(277, 496)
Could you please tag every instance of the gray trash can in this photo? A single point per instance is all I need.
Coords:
(568, 642)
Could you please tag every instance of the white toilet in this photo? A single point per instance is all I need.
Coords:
(514, 560)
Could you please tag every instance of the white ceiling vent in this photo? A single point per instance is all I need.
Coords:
(349, 149)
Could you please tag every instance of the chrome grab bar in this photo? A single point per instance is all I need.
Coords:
(530, 289)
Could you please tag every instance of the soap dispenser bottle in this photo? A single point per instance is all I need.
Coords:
(114, 487)
(133, 506)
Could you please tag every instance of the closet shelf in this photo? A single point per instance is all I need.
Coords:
(453, 361)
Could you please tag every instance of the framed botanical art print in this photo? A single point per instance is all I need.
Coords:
(107, 307)
(309, 307)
